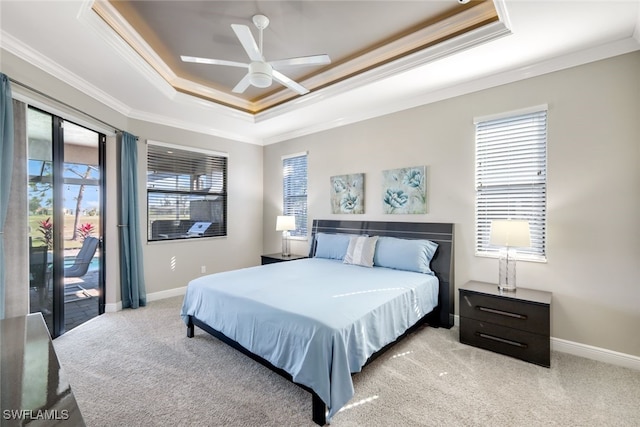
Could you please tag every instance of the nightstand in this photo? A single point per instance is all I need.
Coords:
(516, 323)
(271, 258)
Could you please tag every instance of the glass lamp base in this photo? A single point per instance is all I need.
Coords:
(285, 244)
(507, 270)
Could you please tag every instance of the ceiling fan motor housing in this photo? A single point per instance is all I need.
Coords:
(260, 74)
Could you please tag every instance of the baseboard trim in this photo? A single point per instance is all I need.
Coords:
(113, 307)
(175, 292)
(589, 352)
(155, 296)
(595, 353)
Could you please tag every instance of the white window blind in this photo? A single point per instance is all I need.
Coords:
(511, 178)
(185, 186)
(294, 190)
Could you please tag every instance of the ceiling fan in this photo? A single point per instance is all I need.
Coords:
(261, 72)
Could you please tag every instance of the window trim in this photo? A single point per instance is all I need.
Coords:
(187, 148)
(302, 237)
(542, 257)
(197, 150)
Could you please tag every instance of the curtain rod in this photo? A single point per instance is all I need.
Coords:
(49, 97)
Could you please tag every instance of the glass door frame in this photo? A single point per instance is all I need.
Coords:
(58, 184)
(57, 271)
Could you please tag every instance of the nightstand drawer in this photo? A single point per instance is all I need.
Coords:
(512, 313)
(524, 345)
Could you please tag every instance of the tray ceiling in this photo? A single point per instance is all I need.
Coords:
(360, 37)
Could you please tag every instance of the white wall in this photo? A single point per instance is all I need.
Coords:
(170, 265)
(593, 247)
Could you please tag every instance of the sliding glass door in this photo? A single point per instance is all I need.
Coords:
(66, 195)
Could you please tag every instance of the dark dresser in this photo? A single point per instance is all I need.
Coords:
(34, 390)
(512, 323)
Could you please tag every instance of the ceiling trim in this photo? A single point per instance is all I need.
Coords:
(118, 28)
(194, 126)
(16, 47)
(414, 45)
(87, 17)
(38, 60)
(605, 51)
(467, 40)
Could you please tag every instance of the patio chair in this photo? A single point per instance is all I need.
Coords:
(39, 273)
(38, 266)
(83, 259)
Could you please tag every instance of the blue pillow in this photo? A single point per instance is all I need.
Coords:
(405, 254)
(332, 246)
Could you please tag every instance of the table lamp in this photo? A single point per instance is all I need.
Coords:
(509, 234)
(285, 223)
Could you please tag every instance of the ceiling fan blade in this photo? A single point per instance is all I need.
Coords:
(294, 86)
(302, 60)
(197, 60)
(248, 42)
(242, 84)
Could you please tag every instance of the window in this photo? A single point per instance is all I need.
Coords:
(511, 177)
(294, 190)
(186, 192)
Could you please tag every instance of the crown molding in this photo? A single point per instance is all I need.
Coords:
(37, 59)
(116, 31)
(26, 53)
(260, 135)
(193, 126)
(14, 46)
(418, 42)
(448, 91)
(449, 47)
(101, 28)
(115, 22)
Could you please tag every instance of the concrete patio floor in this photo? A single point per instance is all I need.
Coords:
(80, 302)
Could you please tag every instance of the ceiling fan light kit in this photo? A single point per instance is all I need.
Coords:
(261, 73)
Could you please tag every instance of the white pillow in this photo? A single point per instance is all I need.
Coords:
(361, 250)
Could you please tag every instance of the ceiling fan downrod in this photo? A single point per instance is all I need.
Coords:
(261, 22)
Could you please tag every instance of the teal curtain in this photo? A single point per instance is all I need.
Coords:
(131, 260)
(6, 170)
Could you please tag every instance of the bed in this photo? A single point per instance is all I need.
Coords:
(318, 321)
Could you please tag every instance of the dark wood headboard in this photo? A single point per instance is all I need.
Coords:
(442, 263)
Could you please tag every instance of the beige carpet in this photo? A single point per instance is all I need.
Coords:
(137, 368)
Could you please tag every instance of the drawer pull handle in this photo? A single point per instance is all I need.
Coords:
(502, 340)
(502, 313)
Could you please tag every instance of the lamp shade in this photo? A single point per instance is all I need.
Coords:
(285, 223)
(510, 232)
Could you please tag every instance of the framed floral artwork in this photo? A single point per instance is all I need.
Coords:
(404, 191)
(347, 194)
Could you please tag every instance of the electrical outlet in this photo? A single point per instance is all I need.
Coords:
(203, 269)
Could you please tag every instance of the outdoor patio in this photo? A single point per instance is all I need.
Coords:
(80, 300)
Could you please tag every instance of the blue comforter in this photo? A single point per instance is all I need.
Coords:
(317, 319)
